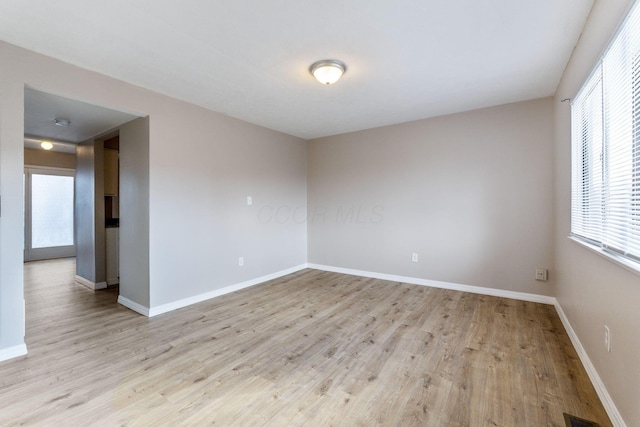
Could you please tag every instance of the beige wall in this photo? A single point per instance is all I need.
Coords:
(591, 289)
(54, 159)
(471, 193)
(202, 166)
(200, 220)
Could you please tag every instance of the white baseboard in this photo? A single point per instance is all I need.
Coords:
(544, 299)
(89, 284)
(603, 394)
(164, 308)
(111, 282)
(12, 352)
(138, 308)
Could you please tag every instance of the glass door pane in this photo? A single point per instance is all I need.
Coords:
(49, 230)
(51, 211)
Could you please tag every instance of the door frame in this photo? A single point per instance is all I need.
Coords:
(31, 254)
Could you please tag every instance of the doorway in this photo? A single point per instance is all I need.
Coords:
(64, 133)
(49, 201)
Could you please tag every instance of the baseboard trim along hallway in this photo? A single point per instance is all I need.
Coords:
(11, 352)
(165, 308)
(132, 305)
(523, 296)
(89, 284)
(603, 394)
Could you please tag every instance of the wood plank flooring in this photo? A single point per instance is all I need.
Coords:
(310, 349)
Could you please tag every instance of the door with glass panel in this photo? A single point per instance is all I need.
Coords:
(49, 213)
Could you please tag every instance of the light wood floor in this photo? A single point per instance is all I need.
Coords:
(313, 349)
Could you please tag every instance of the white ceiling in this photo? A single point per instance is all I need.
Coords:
(87, 120)
(406, 59)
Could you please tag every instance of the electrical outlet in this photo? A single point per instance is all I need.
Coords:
(607, 338)
(241, 261)
(541, 274)
(414, 257)
(249, 200)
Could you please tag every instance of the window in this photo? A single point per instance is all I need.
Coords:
(605, 116)
(49, 213)
(51, 210)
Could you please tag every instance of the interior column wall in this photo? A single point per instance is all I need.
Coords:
(85, 223)
(11, 216)
(134, 211)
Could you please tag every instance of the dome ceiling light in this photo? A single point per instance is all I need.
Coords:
(62, 122)
(328, 71)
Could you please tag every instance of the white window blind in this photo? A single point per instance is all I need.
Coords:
(605, 115)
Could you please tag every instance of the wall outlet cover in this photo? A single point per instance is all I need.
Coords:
(541, 274)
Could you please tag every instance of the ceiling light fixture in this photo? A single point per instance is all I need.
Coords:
(328, 71)
(62, 122)
(46, 145)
